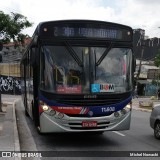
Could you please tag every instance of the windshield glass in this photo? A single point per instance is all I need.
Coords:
(75, 70)
(114, 72)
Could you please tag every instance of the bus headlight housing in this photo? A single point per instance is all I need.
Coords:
(60, 115)
(48, 110)
(51, 112)
(123, 111)
(116, 114)
(126, 109)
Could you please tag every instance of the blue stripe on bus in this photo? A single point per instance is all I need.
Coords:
(105, 109)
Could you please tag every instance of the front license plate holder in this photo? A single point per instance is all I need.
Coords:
(89, 124)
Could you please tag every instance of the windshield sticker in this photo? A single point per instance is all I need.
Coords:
(69, 89)
(102, 88)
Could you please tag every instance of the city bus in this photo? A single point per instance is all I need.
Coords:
(77, 76)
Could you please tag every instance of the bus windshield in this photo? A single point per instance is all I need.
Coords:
(74, 69)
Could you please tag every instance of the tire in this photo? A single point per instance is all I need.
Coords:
(39, 132)
(35, 115)
(157, 130)
(25, 106)
(26, 113)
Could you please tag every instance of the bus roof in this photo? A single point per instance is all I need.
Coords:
(83, 21)
(90, 29)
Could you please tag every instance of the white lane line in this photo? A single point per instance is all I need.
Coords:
(119, 133)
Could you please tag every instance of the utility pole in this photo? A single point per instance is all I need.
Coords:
(0, 98)
(140, 62)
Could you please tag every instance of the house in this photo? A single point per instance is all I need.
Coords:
(10, 58)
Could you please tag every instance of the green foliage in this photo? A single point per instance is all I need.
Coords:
(11, 27)
(157, 59)
(156, 82)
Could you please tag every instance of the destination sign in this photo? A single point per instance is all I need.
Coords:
(80, 32)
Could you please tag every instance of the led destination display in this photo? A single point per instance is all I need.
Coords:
(87, 32)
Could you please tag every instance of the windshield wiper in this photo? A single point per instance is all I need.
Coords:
(104, 54)
(73, 54)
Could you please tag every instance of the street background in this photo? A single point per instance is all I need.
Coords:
(139, 138)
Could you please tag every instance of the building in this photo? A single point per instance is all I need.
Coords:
(10, 58)
(148, 82)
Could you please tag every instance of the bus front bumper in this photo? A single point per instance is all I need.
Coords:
(50, 124)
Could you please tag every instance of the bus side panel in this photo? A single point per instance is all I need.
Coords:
(23, 83)
(36, 77)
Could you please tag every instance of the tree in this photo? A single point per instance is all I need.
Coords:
(157, 59)
(11, 27)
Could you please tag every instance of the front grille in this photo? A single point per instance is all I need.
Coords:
(80, 100)
(87, 115)
(89, 102)
(100, 100)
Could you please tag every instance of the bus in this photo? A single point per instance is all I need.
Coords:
(77, 76)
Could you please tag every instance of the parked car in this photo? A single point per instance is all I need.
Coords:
(155, 121)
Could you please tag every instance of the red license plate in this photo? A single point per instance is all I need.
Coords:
(89, 124)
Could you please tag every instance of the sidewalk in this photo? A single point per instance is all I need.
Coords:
(135, 103)
(9, 139)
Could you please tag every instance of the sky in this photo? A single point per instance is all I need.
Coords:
(142, 14)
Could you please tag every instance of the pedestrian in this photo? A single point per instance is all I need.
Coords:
(135, 95)
(158, 94)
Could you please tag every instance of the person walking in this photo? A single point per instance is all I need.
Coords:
(158, 94)
(135, 94)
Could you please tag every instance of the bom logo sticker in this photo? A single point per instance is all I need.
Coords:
(102, 88)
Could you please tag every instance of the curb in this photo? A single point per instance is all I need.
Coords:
(22, 123)
(16, 136)
(141, 109)
(7, 103)
(2, 115)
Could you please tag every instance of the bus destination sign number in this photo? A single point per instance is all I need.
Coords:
(87, 32)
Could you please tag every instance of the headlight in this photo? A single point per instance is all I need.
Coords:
(52, 112)
(45, 108)
(116, 114)
(128, 107)
(48, 110)
(60, 115)
(123, 111)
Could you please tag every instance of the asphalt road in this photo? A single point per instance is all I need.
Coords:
(138, 138)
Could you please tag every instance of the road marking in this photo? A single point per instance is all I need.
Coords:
(119, 133)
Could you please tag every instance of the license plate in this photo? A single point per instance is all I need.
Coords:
(89, 124)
